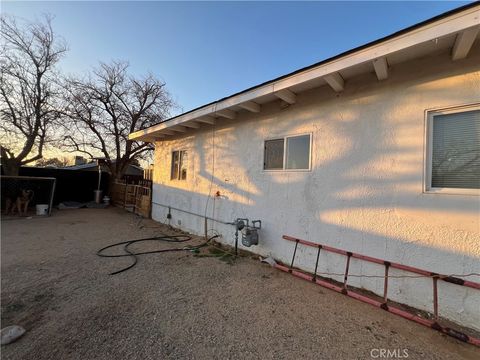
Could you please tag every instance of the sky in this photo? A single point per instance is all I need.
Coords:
(208, 50)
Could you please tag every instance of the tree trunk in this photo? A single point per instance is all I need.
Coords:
(116, 174)
(11, 167)
(118, 169)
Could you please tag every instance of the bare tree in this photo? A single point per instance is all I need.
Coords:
(28, 89)
(107, 106)
(57, 162)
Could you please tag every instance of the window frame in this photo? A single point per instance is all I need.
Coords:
(285, 137)
(179, 178)
(428, 151)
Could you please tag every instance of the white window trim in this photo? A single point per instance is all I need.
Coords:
(171, 165)
(429, 114)
(285, 137)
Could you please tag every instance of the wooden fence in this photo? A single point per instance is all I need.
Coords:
(136, 198)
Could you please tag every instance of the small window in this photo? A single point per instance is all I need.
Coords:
(288, 153)
(454, 150)
(274, 154)
(179, 165)
(298, 152)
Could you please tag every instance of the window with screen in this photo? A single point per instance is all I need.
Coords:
(179, 165)
(274, 154)
(287, 153)
(455, 150)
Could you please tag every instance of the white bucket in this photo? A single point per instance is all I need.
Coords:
(42, 209)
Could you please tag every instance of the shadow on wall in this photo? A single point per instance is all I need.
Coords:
(363, 194)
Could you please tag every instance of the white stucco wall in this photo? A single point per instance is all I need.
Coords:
(365, 190)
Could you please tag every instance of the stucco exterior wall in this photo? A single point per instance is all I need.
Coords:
(364, 192)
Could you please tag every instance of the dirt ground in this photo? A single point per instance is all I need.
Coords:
(179, 305)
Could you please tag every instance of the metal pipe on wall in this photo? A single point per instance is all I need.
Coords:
(195, 214)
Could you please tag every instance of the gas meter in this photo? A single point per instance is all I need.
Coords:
(250, 233)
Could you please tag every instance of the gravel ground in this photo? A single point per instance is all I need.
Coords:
(178, 305)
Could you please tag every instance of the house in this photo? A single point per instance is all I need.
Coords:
(374, 151)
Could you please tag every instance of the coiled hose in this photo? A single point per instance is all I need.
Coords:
(164, 238)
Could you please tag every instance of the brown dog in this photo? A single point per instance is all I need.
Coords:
(19, 202)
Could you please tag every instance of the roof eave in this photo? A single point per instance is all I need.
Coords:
(464, 22)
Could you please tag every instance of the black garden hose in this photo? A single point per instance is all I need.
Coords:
(165, 238)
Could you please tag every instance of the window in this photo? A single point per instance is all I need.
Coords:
(454, 151)
(274, 154)
(288, 153)
(179, 165)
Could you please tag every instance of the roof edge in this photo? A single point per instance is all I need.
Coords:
(397, 34)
